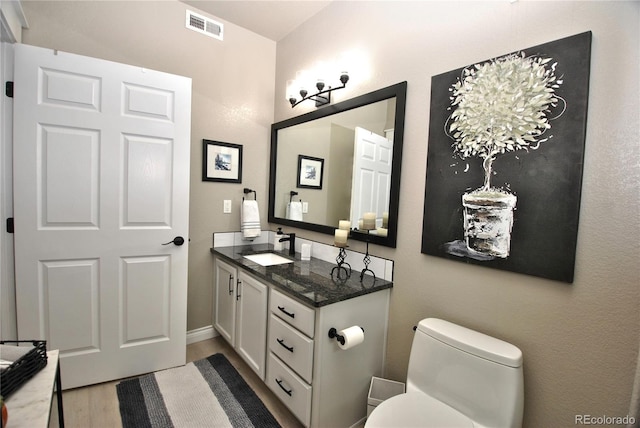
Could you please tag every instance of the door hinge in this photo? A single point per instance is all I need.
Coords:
(10, 225)
(8, 89)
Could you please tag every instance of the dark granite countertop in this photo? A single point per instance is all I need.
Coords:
(308, 281)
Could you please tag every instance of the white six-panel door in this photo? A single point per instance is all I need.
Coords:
(371, 183)
(101, 181)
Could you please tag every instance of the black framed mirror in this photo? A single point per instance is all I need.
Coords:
(359, 143)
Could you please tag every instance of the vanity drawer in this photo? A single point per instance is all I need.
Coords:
(293, 312)
(293, 347)
(290, 389)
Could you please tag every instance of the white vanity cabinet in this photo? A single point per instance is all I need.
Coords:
(240, 314)
(323, 385)
(278, 319)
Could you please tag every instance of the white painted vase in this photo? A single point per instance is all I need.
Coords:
(488, 219)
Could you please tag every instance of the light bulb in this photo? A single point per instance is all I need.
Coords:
(291, 94)
(304, 82)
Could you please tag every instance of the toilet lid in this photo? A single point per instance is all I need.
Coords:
(416, 409)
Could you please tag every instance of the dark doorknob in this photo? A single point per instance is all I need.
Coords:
(178, 240)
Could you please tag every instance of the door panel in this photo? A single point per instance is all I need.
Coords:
(101, 179)
(148, 200)
(80, 279)
(69, 89)
(144, 319)
(148, 102)
(57, 178)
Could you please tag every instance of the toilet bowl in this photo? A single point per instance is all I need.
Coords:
(416, 409)
(457, 377)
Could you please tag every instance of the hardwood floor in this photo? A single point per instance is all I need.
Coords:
(96, 406)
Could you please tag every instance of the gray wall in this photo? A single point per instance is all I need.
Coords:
(580, 340)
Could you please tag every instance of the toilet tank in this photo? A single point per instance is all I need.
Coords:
(478, 375)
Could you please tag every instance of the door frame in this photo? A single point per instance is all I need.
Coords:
(12, 21)
(8, 318)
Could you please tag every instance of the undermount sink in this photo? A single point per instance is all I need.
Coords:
(268, 259)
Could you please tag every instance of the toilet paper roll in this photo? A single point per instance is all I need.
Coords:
(353, 336)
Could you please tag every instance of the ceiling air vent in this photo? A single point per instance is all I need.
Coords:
(204, 25)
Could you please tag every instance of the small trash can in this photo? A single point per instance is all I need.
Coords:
(381, 389)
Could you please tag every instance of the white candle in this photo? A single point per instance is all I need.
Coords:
(369, 221)
(344, 224)
(385, 220)
(381, 231)
(360, 224)
(340, 239)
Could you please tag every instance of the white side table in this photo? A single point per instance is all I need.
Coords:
(30, 405)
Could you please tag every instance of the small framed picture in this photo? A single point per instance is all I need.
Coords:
(221, 161)
(310, 172)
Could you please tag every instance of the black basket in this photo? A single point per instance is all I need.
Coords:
(24, 368)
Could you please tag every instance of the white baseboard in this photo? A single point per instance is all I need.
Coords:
(200, 334)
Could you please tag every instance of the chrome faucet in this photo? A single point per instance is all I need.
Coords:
(291, 237)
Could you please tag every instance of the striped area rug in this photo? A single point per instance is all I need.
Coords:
(205, 393)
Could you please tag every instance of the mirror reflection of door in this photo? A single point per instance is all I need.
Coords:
(371, 175)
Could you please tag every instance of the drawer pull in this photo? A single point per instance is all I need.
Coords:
(288, 313)
(230, 285)
(287, 391)
(281, 342)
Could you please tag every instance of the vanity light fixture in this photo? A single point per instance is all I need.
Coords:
(300, 90)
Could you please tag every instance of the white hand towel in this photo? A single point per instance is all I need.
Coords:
(250, 219)
(294, 211)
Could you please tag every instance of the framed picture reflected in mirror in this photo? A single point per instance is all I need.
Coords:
(310, 172)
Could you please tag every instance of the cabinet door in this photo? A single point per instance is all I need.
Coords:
(225, 277)
(251, 341)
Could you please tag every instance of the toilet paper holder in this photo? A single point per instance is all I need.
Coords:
(333, 334)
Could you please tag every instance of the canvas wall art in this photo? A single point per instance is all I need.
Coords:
(505, 157)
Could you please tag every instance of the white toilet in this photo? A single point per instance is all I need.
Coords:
(456, 378)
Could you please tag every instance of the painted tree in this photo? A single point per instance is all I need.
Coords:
(501, 106)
